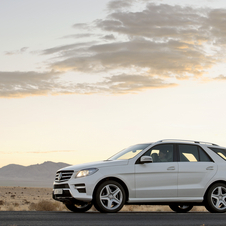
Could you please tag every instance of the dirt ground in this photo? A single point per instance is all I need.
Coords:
(40, 199)
(21, 198)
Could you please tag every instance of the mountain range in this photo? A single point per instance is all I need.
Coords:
(39, 175)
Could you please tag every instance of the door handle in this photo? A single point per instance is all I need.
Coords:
(171, 168)
(210, 168)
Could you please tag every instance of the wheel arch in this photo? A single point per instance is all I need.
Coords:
(115, 179)
(215, 182)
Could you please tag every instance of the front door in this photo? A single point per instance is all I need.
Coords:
(158, 179)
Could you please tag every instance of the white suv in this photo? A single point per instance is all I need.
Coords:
(178, 173)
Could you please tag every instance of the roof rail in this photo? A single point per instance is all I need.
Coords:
(191, 141)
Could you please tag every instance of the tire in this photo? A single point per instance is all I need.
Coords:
(215, 200)
(79, 208)
(109, 197)
(180, 208)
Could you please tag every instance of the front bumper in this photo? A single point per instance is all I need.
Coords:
(65, 194)
(74, 190)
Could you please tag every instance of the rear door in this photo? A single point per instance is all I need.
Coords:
(196, 168)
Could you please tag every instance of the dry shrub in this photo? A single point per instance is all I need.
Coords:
(13, 196)
(160, 208)
(16, 204)
(25, 201)
(9, 208)
(93, 208)
(2, 202)
(45, 205)
(145, 208)
(199, 209)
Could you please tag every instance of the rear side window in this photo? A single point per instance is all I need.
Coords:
(203, 156)
(220, 152)
(192, 153)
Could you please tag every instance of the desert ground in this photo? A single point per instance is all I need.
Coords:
(26, 199)
(40, 199)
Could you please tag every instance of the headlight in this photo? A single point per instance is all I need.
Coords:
(86, 172)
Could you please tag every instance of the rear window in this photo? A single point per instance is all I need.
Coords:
(221, 152)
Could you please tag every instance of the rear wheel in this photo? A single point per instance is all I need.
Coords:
(180, 208)
(109, 197)
(79, 208)
(216, 198)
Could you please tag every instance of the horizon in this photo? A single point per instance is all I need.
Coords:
(34, 164)
(80, 81)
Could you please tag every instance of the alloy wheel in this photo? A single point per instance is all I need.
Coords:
(111, 196)
(218, 198)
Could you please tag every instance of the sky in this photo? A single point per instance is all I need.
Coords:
(81, 80)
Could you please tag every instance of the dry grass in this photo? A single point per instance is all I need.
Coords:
(20, 198)
(145, 208)
(45, 205)
(150, 208)
(40, 199)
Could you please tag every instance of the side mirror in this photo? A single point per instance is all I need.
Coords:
(146, 159)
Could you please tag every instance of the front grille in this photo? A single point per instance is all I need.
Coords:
(63, 175)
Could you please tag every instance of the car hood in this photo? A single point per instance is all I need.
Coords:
(100, 164)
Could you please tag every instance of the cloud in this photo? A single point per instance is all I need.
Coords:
(81, 35)
(21, 84)
(47, 152)
(60, 49)
(123, 84)
(156, 21)
(109, 37)
(36, 152)
(129, 51)
(161, 58)
(220, 77)
(167, 40)
(119, 4)
(216, 24)
(169, 22)
(20, 51)
(82, 26)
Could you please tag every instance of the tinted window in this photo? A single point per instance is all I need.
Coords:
(192, 153)
(220, 152)
(161, 153)
(188, 153)
(203, 156)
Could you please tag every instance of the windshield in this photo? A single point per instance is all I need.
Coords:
(129, 152)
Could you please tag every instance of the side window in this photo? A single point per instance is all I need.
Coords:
(192, 153)
(203, 156)
(161, 153)
(188, 153)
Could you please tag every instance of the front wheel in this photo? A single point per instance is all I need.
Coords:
(180, 208)
(79, 208)
(216, 198)
(109, 197)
